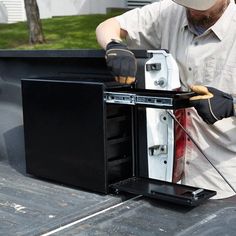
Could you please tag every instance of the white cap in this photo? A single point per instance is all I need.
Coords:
(200, 5)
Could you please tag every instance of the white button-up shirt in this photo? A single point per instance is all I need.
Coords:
(208, 59)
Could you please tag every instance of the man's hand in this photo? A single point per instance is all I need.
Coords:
(212, 104)
(121, 62)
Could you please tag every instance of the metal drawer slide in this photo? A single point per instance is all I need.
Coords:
(149, 98)
(133, 99)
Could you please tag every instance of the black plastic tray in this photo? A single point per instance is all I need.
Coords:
(176, 193)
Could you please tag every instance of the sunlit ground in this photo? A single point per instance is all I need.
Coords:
(70, 32)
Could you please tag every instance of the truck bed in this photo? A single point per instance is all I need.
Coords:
(32, 206)
(29, 206)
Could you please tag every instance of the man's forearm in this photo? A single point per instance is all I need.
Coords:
(107, 30)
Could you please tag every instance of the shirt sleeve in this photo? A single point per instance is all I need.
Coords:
(143, 25)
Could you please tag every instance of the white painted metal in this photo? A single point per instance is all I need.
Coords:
(14, 10)
(160, 126)
(3, 13)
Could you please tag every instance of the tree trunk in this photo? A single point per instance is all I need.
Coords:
(34, 22)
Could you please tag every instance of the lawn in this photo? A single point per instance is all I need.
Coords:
(70, 32)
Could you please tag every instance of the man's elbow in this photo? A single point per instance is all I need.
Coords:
(107, 30)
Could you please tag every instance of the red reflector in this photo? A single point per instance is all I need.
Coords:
(180, 145)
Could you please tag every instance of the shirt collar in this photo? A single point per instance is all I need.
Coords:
(185, 21)
(220, 28)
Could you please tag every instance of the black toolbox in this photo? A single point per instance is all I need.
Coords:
(83, 131)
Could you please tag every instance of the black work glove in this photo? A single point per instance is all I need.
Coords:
(121, 61)
(212, 104)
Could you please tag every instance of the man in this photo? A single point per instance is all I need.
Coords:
(200, 35)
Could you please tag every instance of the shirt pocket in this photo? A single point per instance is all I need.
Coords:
(212, 68)
(228, 71)
(209, 70)
(205, 72)
(220, 74)
(226, 79)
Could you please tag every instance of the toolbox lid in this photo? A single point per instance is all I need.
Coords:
(66, 53)
(157, 189)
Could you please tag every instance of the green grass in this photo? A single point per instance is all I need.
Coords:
(70, 32)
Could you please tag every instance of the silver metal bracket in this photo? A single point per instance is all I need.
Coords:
(119, 98)
(135, 99)
(157, 150)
